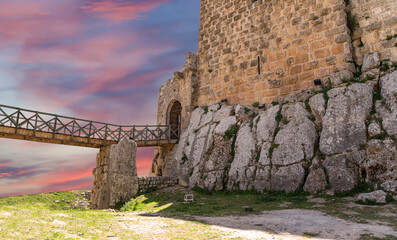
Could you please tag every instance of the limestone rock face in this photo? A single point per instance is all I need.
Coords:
(115, 178)
(372, 197)
(317, 104)
(370, 61)
(381, 160)
(288, 178)
(267, 124)
(344, 122)
(374, 129)
(281, 148)
(225, 124)
(296, 139)
(338, 77)
(388, 84)
(316, 180)
(342, 172)
(244, 154)
(390, 186)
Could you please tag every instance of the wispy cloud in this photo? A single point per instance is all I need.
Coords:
(120, 10)
(95, 59)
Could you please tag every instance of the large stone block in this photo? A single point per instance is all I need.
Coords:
(344, 122)
(342, 171)
(115, 178)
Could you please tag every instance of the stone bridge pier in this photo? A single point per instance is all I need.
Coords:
(115, 175)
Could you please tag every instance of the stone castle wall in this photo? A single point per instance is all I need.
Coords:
(295, 41)
(376, 20)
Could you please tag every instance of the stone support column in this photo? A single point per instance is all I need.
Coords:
(115, 176)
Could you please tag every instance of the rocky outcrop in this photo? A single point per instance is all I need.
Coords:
(344, 122)
(115, 177)
(318, 139)
(378, 197)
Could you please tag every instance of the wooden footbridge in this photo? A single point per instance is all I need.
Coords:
(23, 124)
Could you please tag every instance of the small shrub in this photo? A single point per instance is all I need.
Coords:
(205, 109)
(312, 118)
(380, 136)
(378, 119)
(232, 151)
(352, 22)
(274, 103)
(184, 158)
(210, 70)
(231, 132)
(321, 155)
(385, 67)
(255, 104)
(308, 108)
(247, 110)
(357, 74)
(393, 138)
(395, 35)
(315, 18)
(276, 131)
(362, 146)
(258, 156)
(279, 116)
(394, 64)
(361, 44)
(395, 45)
(258, 119)
(377, 95)
(285, 121)
(389, 37)
(271, 149)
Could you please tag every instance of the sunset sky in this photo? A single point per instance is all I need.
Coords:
(100, 60)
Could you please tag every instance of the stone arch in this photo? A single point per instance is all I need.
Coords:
(175, 118)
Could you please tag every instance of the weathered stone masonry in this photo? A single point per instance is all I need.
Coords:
(267, 50)
(295, 41)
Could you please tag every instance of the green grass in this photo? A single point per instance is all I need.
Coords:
(36, 216)
(220, 203)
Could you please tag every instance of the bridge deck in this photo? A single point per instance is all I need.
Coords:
(23, 124)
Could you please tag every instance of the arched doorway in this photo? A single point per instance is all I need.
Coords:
(175, 119)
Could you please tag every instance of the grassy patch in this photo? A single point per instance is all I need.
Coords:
(231, 132)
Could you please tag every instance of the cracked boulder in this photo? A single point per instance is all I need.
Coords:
(378, 197)
(342, 171)
(344, 122)
(297, 136)
(244, 154)
(288, 178)
(388, 84)
(316, 181)
(381, 160)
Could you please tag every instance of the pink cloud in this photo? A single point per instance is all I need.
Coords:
(121, 10)
(22, 20)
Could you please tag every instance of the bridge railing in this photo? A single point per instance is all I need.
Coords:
(19, 118)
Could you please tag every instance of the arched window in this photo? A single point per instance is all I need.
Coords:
(175, 119)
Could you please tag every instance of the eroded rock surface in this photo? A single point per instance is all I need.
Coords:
(284, 148)
(344, 122)
(115, 177)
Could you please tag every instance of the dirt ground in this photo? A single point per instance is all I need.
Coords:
(277, 224)
(295, 223)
